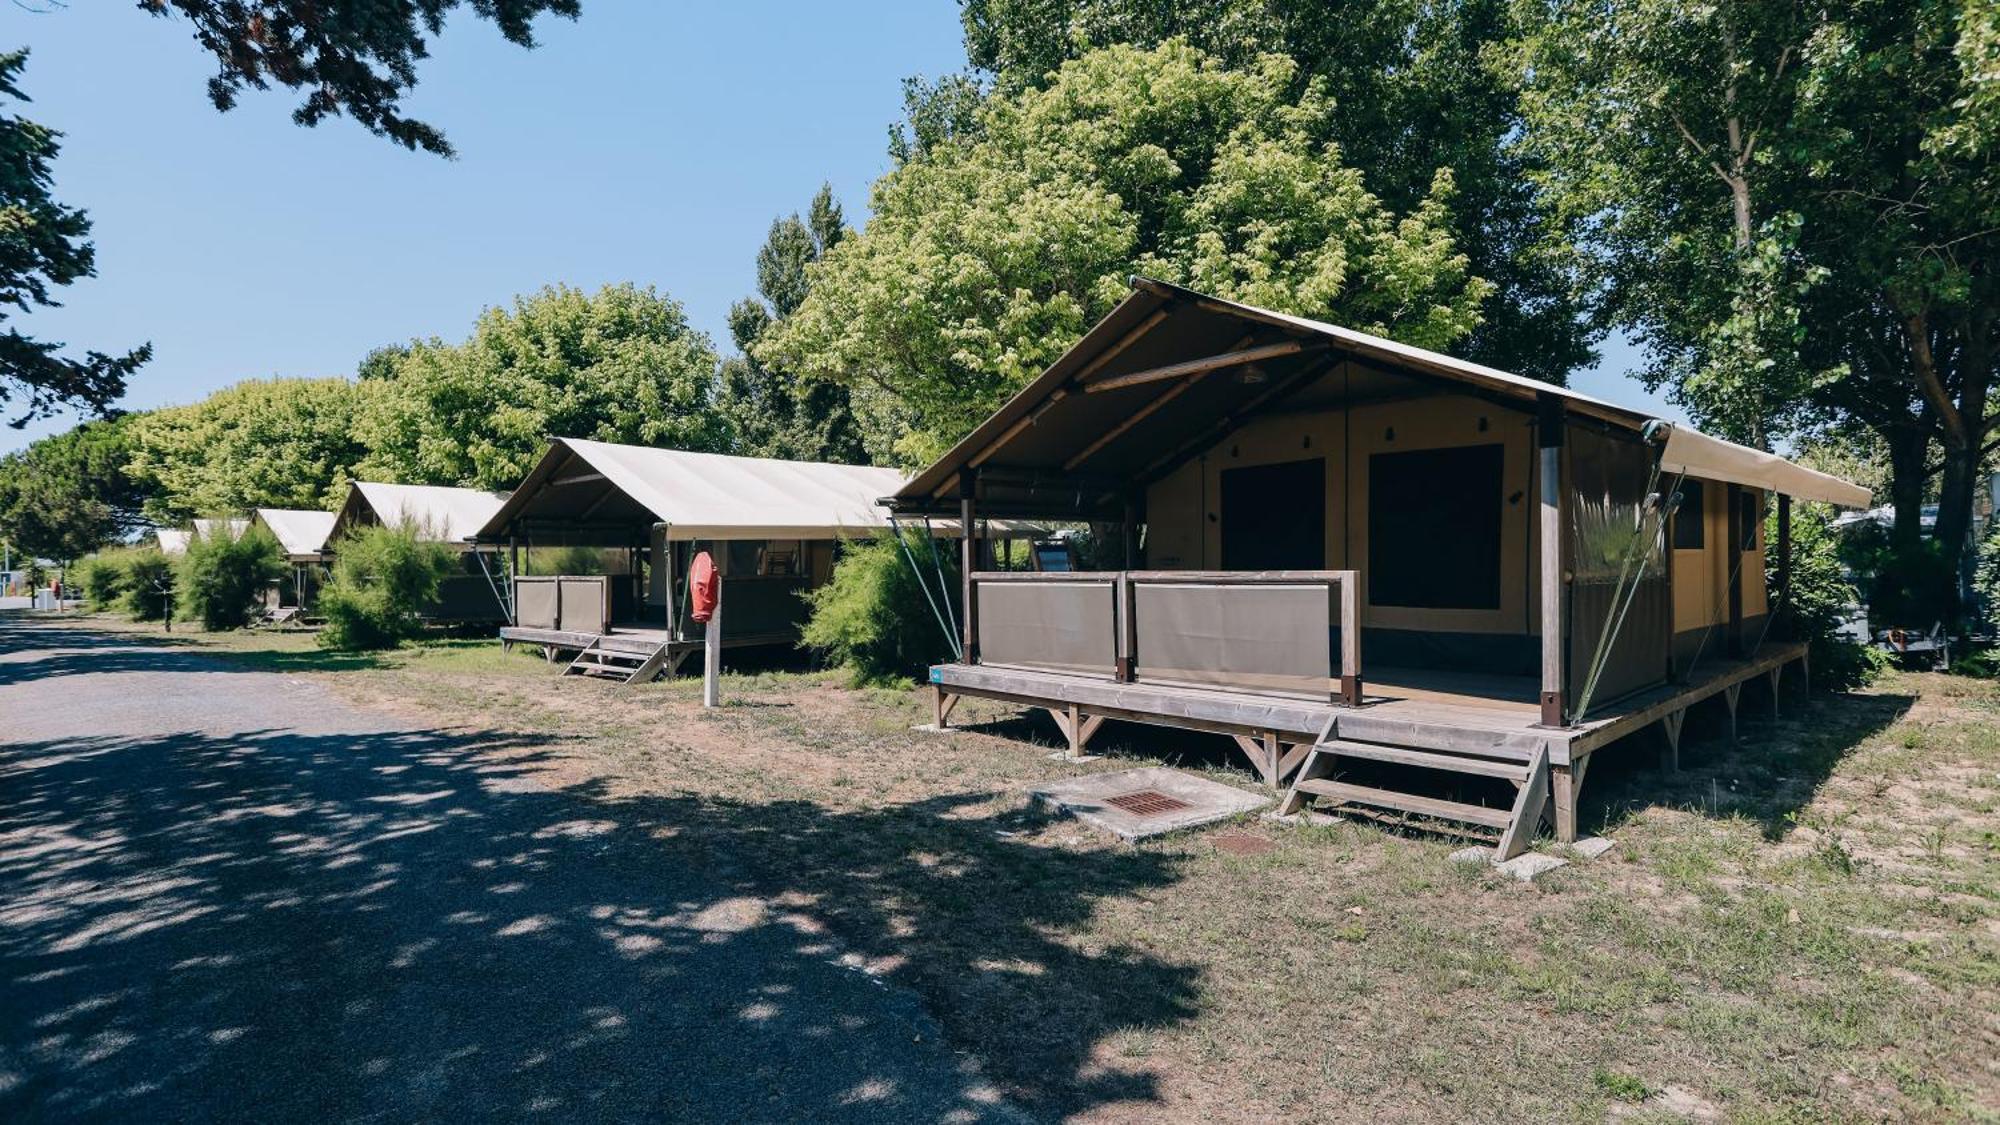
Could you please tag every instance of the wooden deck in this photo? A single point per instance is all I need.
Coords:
(1465, 723)
(636, 639)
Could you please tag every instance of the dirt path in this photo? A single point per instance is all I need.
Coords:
(227, 895)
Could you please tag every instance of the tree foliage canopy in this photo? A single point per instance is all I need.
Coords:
(357, 57)
(68, 494)
(1797, 209)
(280, 443)
(990, 253)
(621, 364)
(43, 247)
(775, 412)
(1411, 92)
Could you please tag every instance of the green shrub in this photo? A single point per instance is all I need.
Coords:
(221, 578)
(1820, 600)
(873, 618)
(382, 578)
(103, 578)
(1986, 580)
(149, 585)
(567, 560)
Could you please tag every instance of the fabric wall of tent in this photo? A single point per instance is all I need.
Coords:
(1328, 529)
(440, 514)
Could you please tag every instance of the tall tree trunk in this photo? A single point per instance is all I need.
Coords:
(1909, 457)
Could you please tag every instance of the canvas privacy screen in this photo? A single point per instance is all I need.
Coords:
(1064, 626)
(1263, 637)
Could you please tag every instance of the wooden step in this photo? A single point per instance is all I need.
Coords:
(1408, 802)
(1455, 763)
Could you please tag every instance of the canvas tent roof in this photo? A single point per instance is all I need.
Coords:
(301, 532)
(451, 515)
(1081, 435)
(698, 495)
(174, 541)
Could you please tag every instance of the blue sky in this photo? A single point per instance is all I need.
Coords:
(645, 142)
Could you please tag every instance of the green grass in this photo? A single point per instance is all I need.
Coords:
(1804, 927)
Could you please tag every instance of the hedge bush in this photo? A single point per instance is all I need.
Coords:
(149, 585)
(873, 618)
(103, 578)
(382, 579)
(1820, 600)
(222, 577)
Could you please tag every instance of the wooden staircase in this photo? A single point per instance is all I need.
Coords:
(1516, 826)
(638, 665)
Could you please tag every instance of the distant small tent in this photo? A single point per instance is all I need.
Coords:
(174, 540)
(302, 534)
(443, 515)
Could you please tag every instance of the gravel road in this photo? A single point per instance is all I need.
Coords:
(226, 895)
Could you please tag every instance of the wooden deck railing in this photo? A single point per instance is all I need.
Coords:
(1283, 632)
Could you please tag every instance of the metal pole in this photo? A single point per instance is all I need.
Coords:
(711, 654)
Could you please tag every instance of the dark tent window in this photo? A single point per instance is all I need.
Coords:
(1434, 528)
(1688, 518)
(1274, 516)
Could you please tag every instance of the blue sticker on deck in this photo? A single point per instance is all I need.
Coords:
(937, 675)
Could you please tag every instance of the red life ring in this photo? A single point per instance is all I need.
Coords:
(705, 585)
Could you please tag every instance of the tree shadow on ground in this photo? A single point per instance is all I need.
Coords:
(1770, 773)
(271, 925)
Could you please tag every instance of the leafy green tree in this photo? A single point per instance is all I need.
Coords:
(992, 253)
(776, 413)
(149, 585)
(68, 494)
(1820, 599)
(223, 575)
(281, 443)
(621, 364)
(382, 579)
(1796, 209)
(873, 618)
(103, 577)
(1411, 91)
(43, 247)
(357, 57)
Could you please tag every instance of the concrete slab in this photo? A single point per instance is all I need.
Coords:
(1527, 868)
(1475, 854)
(1135, 804)
(1590, 847)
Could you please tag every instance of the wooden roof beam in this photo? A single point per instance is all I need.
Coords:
(1203, 365)
(1143, 413)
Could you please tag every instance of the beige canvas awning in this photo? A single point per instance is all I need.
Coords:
(1698, 455)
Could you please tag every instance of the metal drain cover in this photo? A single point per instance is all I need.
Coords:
(1147, 803)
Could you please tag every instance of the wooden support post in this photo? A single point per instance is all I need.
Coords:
(969, 561)
(937, 707)
(1563, 784)
(1731, 696)
(1255, 749)
(1127, 642)
(711, 653)
(1350, 640)
(1776, 676)
(1671, 726)
(1549, 436)
(1294, 753)
(1735, 555)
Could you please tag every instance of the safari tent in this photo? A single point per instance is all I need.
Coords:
(174, 540)
(302, 534)
(1361, 558)
(772, 527)
(450, 516)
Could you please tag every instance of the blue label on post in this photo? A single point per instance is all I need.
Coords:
(937, 675)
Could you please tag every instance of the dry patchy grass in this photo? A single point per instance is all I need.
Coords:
(1804, 927)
